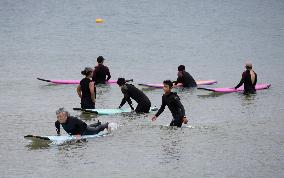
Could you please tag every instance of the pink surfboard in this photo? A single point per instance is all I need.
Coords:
(72, 81)
(230, 90)
(160, 85)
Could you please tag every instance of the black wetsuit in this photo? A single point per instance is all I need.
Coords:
(86, 100)
(100, 73)
(173, 102)
(74, 126)
(130, 91)
(186, 79)
(249, 87)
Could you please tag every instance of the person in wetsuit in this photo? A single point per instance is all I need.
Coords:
(185, 78)
(130, 91)
(172, 100)
(74, 126)
(249, 79)
(86, 90)
(100, 72)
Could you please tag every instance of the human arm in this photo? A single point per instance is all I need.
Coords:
(57, 126)
(126, 97)
(179, 105)
(162, 108)
(108, 73)
(94, 74)
(79, 92)
(240, 83)
(255, 80)
(80, 127)
(92, 91)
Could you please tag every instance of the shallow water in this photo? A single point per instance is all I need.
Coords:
(233, 135)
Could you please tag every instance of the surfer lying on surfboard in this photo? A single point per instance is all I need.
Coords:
(185, 78)
(249, 79)
(172, 100)
(74, 126)
(130, 91)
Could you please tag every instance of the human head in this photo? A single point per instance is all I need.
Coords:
(88, 71)
(62, 115)
(248, 65)
(168, 85)
(181, 68)
(100, 59)
(120, 81)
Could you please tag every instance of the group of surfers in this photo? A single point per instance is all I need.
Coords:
(86, 90)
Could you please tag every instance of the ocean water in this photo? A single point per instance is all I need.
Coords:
(232, 136)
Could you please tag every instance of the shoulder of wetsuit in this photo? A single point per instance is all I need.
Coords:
(124, 87)
(72, 117)
(175, 96)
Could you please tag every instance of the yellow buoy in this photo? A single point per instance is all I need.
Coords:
(99, 20)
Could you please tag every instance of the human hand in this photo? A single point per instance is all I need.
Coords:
(154, 118)
(185, 120)
(78, 136)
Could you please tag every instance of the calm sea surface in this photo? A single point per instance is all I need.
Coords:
(232, 136)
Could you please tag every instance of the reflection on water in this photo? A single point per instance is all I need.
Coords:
(190, 90)
(248, 99)
(88, 116)
(38, 144)
(211, 94)
(149, 89)
(171, 145)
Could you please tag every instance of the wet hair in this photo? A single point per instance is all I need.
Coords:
(120, 81)
(181, 68)
(248, 65)
(168, 82)
(87, 71)
(100, 59)
(60, 110)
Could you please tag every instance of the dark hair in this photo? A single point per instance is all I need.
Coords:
(248, 67)
(87, 71)
(168, 82)
(181, 68)
(100, 59)
(120, 81)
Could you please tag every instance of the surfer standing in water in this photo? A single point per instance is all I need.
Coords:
(101, 71)
(130, 91)
(172, 100)
(249, 79)
(74, 126)
(87, 90)
(185, 78)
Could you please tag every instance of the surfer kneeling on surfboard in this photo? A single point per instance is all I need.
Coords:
(130, 91)
(172, 100)
(101, 71)
(86, 90)
(249, 79)
(185, 78)
(74, 126)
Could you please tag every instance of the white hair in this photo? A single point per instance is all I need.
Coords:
(60, 110)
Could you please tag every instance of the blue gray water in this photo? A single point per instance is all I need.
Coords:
(233, 135)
